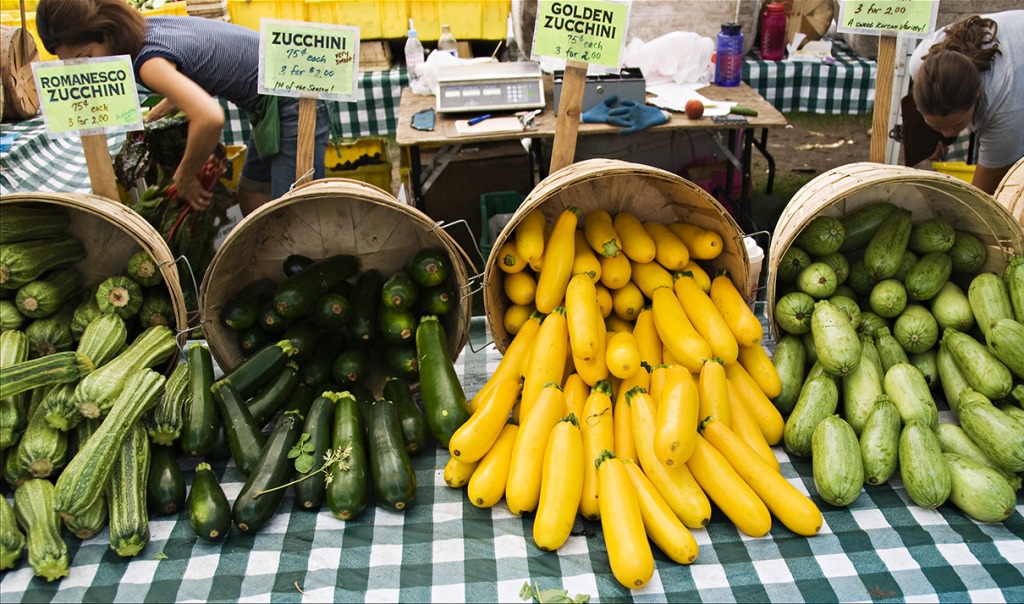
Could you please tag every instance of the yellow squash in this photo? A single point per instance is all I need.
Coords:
(660, 522)
(511, 364)
(744, 426)
(676, 484)
(521, 287)
(741, 320)
(670, 252)
(522, 489)
(582, 316)
(677, 332)
(703, 244)
(604, 300)
(509, 260)
(614, 323)
(760, 367)
(596, 369)
(635, 242)
(473, 439)
(624, 444)
(627, 302)
(676, 424)
(615, 271)
(559, 253)
(760, 406)
(647, 340)
(600, 233)
(458, 473)
(515, 316)
(547, 357)
(649, 276)
(596, 432)
(730, 493)
(575, 392)
(622, 355)
(713, 392)
(487, 484)
(586, 260)
(706, 318)
(629, 552)
(794, 509)
(658, 375)
(530, 236)
(561, 485)
(699, 275)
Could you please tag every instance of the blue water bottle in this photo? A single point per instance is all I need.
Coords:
(729, 55)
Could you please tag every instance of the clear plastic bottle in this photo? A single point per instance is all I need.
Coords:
(729, 55)
(773, 32)
(446, 43)
(413, 53)
(511, 46)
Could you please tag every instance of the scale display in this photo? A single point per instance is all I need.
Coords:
(490, 87)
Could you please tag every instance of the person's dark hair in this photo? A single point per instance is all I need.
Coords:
(950, 77)
(74, 22)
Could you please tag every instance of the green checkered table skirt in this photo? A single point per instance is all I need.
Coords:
(881, 548)
(37, 162)
(845, 86)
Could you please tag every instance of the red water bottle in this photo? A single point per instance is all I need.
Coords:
(773, 32)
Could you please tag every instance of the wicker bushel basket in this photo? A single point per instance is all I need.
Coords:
(927, 194)
(323, 218)
(1010, 192)
(651, 194)
(111, 233)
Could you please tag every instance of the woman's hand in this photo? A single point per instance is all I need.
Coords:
(190, 190)
(160, 110)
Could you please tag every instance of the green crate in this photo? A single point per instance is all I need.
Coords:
(491, 204)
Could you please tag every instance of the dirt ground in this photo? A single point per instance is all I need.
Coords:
(810, 145)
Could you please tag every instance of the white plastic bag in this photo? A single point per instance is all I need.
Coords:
(682, 57)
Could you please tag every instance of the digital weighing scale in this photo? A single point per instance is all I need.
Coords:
(479, 87)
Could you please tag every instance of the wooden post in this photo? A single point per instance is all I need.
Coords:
(101, 169)
(883, 97)
(307, 136)
(563, 149)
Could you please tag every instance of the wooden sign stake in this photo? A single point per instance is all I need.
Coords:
(307, 135)
(101, 169)
(563, 149)
(883, 97)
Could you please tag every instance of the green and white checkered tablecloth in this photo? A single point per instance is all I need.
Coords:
(846, 86)
(37, 162)
(881, 548)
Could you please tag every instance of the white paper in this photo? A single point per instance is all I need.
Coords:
(673, 97)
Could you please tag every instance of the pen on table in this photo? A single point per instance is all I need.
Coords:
(477, 120)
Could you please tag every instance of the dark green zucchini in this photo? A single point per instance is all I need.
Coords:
(244, 435)
(242, 310)
(295, 263)
(319, 425)
(165, 489)
(365, 399)
(199, 417)
(297, 294)
(316, 371)
(261, 494)
(301, 400)
(252, 339)
(272, 397)
(332, 311)
(399, 291)
(270, 320)
(304, 336)
(348, 491)
(429, 267)
(444, 401)
(209, 512)
(396, 325)
(365, 299)
(254, 372)
(220, 450)
(402, 359)
(350, 367)
(437, 300)
(394, 481)
(415, 432)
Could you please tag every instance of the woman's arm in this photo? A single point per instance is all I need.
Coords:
(205, 122)
(987, 179)
(160, 110)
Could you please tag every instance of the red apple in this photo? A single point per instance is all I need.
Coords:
(694, 109)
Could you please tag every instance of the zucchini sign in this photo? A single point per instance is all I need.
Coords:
(309, 60)
(91, 96)
(588, 31)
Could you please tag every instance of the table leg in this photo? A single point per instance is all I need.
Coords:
(762, 147)
(745, 205)
(414, 177)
